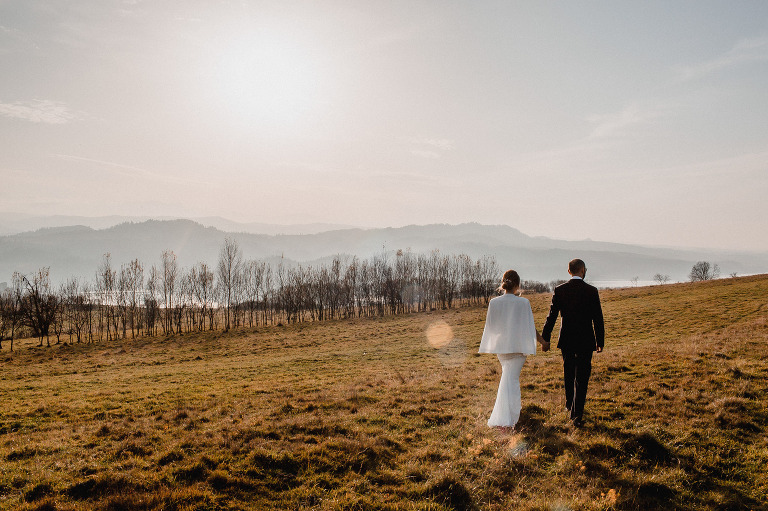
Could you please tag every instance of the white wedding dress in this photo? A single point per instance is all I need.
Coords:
(509, 333)
(506, 411)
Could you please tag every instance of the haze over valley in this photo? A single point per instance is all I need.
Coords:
(77, 250)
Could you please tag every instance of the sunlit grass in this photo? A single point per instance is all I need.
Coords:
(390, 413)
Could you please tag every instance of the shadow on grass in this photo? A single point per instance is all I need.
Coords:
(644, 454)
(99, 487)
(452, 493)
(552, 439)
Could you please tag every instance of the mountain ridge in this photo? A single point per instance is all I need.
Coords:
(17, 223)
(78, 250)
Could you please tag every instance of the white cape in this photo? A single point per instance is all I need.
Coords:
(509, 326)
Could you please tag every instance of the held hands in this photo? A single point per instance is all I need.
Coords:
(544, 342)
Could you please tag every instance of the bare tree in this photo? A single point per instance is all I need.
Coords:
(39, 304)
(229, 274)
(446, 271)
(169, 278)
(489, 276)
(452, 265)
(10, 314)
(554, 283)
(404, 280)
(424, 281)
(704, 270)
(183, 299)
(192, 308)
(239, 299)
(535, 286)
(335, 288)
(469, 288)
(77, 304)
(105, 288)
(5, 315)
(247, 293)
(363, 289)
(121, 300)
(350, 287)
(59, 316)
(67, 291)
(296, 300)
(204, 294)
(151, 299)
(661, 279)
(253, 274)
(381, 275)
(134, 276)
(268, 295)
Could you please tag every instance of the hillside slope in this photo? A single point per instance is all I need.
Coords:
(382, 413)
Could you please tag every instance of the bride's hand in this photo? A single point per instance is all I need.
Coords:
(544, 342)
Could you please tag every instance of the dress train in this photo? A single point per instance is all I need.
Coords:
(506, 411)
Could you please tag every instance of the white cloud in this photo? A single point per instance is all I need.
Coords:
(614, 124)
(742, 170)
(131, 171)
(592, 152)
(431, 148)
(126, 170)
(39, 111)
(437, 143)
(745, 51)
(432, 155)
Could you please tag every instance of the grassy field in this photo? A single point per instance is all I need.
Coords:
(390, 413)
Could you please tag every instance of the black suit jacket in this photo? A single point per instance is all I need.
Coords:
(579, 305)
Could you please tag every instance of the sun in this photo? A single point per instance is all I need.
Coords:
(269, 80)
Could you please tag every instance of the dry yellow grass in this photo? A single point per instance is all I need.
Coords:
(389, 413)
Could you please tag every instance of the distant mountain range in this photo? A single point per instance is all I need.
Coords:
(77, 250)
(15, 223)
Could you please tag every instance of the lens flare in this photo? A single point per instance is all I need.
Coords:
(518, 447)
(439, 334)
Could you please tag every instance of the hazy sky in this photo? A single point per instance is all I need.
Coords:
(642, 122)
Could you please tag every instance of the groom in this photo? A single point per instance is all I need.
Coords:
(581, 333)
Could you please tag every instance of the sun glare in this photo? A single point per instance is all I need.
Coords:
(268, 80)
(439, 334)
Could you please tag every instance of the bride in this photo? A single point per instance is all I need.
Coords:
(511, 333)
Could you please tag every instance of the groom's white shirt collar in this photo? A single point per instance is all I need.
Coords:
(576, 277)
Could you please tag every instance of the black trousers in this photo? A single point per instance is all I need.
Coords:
(577, 367)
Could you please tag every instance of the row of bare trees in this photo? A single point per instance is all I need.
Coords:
(133, 301)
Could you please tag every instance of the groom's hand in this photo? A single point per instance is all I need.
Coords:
(599, 349)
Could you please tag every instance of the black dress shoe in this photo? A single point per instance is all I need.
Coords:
(578, 422)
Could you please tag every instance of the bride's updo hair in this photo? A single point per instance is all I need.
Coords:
(510, 281)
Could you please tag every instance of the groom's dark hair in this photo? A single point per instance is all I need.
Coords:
(576, 265)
